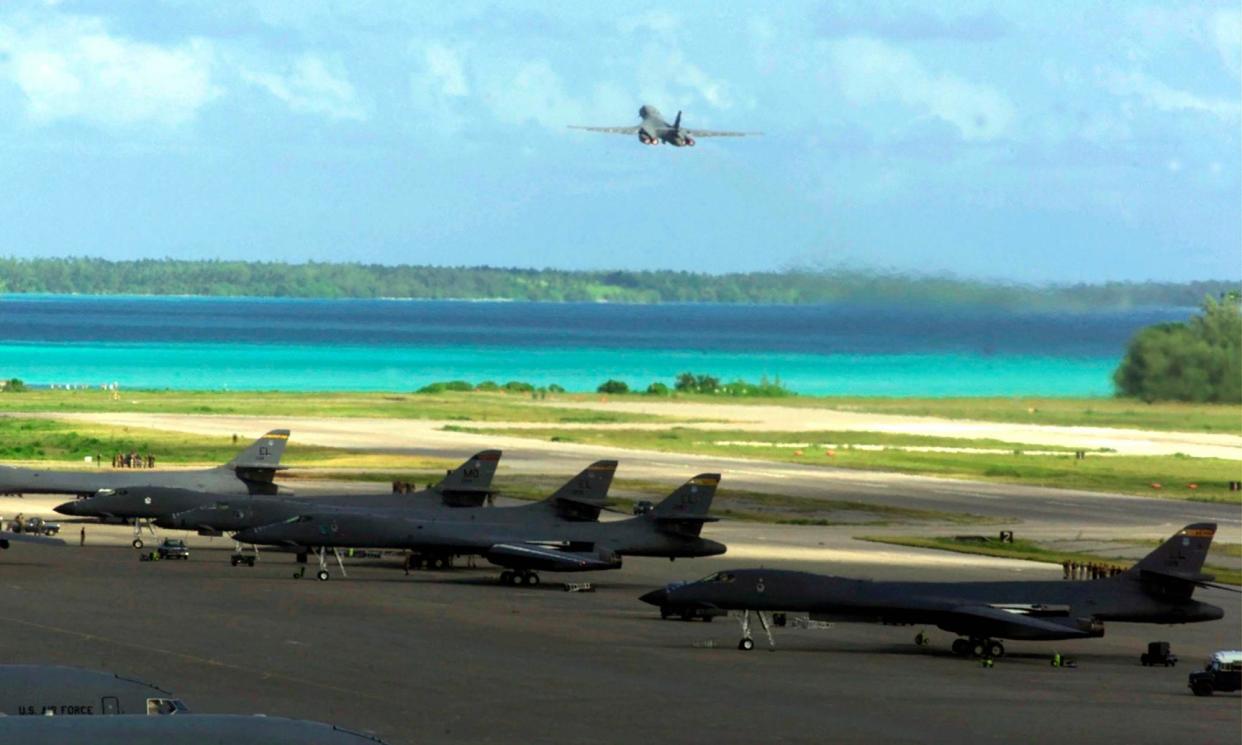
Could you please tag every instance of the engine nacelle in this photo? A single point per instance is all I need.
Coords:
(689, 142)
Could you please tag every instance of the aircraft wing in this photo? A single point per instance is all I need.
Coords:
(1013, 622)
(610, 130)
(538, 556)
(6, 537)
(718, 133)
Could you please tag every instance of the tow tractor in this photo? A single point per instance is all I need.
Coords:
(1158, 654)
(1223, 672)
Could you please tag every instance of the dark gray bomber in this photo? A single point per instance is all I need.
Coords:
(468, 485)
(470, 481)
(1156, 590)
(521, 539)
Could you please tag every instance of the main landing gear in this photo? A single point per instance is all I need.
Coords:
(519, 577)
(976, 647)
(747, 643)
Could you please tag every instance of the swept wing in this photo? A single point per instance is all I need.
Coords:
(610, 130)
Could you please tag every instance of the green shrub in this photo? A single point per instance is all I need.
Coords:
(613, 386)
(1199, 361)
(448, 385)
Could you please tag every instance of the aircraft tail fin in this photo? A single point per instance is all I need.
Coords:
(263, 454)
(677, 122)
(1177, 564)
(685, 510)
(582, 497)
(471, 482)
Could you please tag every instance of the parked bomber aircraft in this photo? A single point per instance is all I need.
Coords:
(199, 729)
(57, 690)
(1156, 590)
(522, 539)
(582, 497)
(654, 130)
(468, 483)
(251, 472)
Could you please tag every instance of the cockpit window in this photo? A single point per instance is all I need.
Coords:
(719, 577)
(163, 706)
(299, 519)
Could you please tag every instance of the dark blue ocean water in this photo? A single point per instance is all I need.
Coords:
(398, 345)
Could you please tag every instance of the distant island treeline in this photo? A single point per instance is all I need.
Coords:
(90, 276)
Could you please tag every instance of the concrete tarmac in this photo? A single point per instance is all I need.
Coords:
(452, 657)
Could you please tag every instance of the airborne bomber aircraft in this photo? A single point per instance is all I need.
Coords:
(654, 130)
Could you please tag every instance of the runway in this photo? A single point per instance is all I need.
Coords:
(1035, 511)
(452, 657)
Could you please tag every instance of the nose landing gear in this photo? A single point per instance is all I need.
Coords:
(747, 643)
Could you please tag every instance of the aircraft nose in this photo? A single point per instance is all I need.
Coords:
(68, 508)
(657, 598)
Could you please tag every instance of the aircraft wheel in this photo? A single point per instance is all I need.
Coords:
(137, 543)
(532, 579)
(996, 650)
(1201, 688)
(506, 577)
(322, 574)
(961, 647)
(746, 644)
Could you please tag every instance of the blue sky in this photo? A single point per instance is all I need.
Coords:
(1025, 141)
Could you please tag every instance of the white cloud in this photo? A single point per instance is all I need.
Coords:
(656, 21)
(73, 68)
(445, 70)
(1226, 28)
(309, 86)
(1162, 97)
(869, 71)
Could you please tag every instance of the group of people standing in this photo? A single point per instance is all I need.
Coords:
(133, 460)
(1089, 570)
